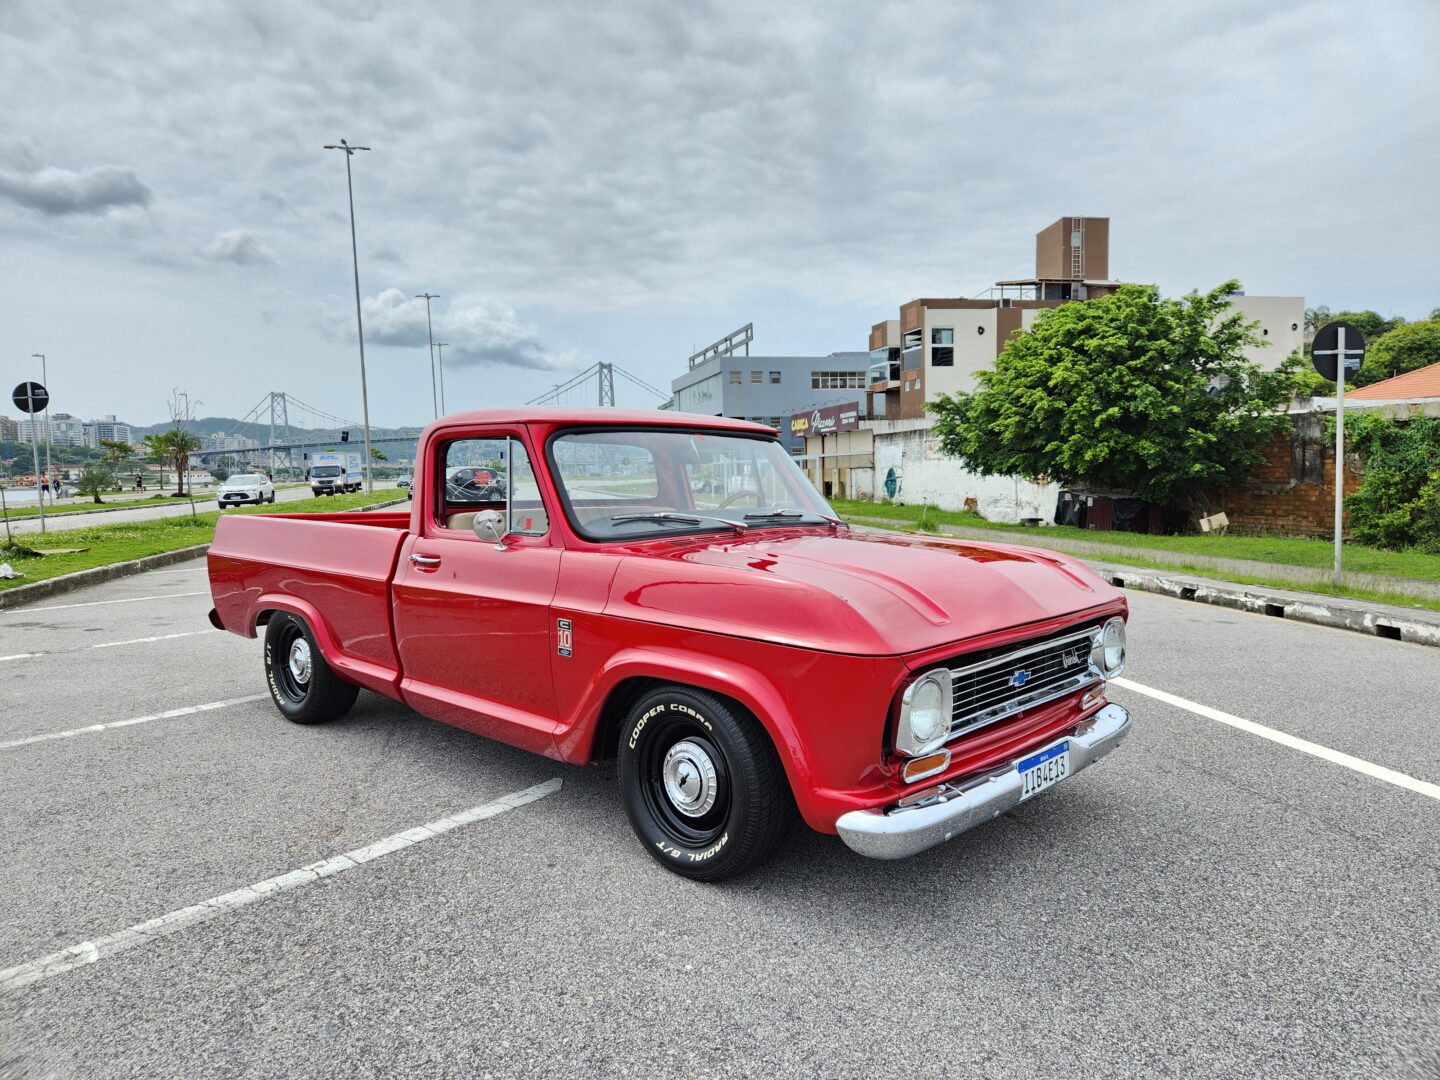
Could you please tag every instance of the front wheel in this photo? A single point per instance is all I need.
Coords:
(702, 783)
(303, 686)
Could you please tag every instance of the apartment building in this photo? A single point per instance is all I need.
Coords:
(938, 344)
(9, 430)
(63, 429)
(769, 389)
(107, 428)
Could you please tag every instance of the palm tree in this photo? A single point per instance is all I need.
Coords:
(174, 446)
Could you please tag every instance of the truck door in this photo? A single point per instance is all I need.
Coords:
(472, 615)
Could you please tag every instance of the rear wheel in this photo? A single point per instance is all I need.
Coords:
(702, 784)
(303, 686)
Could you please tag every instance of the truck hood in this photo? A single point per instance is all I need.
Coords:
(869, 594)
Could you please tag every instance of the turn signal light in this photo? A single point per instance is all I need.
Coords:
(921, 767)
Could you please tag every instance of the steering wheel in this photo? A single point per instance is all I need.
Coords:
(759, 499)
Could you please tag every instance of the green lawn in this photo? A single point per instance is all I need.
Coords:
(118, 543)
(111, 503)
(1314, 554)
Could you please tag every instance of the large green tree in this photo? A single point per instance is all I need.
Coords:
(174, 446)
(1131, 392)
(1405, 348)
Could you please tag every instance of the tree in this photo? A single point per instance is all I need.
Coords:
(113, 452)
(1370, 323)
(174, 446)
(376, 454)
(1130, 392)
(1405, 348)
(1398, 504)
(1315, 318)
(220, 473)
(94, 481)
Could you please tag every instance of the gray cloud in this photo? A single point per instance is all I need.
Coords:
(475, 334)
(239, 246)
(93, 190)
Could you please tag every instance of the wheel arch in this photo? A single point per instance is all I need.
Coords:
(361, 672)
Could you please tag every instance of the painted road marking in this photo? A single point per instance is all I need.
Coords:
(189, 710)
(1360, 765)
(98, 603)
(160, 637)
(21, 656)
(88, 952)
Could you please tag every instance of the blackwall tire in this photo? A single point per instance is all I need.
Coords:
(303, 686)
(702, 784)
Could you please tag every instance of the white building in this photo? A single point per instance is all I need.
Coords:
(107, 428)
(63, 429)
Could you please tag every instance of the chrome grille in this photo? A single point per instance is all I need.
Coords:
(1020, 679)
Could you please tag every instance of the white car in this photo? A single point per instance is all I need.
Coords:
(245, 488)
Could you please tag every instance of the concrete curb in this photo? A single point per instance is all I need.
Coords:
(97, 575)
(1334, 612)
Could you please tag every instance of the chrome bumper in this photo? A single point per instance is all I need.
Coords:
(904, 831)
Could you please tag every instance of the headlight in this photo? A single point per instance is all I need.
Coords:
(924, 713)
(1108, 652)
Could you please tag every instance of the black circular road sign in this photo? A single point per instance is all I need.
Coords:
(1325, 350)
(30, 397)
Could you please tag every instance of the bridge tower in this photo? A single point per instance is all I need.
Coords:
(605, 377)
(279, 420)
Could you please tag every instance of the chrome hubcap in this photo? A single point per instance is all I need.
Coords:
(689, 777)
(300, 660)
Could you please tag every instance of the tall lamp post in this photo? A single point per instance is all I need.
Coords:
(440, 363)
(45, 382)
(359, 324)
(430, 332)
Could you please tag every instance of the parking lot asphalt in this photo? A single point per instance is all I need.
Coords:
(1205, 902)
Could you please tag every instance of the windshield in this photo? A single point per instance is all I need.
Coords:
(325, 470)
(246, 478)
(620, 485)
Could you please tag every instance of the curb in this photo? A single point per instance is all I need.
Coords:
(1309, 608)
(98, 575)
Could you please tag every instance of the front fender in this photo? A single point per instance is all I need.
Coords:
(750, 687)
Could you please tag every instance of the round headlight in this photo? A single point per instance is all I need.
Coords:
(1109, 652)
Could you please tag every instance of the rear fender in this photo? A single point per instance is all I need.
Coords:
(364, 673)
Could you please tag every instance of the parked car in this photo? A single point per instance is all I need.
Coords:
(740, 653)
(245, 488)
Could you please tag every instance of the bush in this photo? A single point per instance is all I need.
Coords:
(1398, 504)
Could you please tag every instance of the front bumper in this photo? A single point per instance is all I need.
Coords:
(904, 831)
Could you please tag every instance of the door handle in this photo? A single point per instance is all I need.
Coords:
(426, 562)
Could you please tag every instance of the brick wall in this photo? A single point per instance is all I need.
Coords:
(1282, 496)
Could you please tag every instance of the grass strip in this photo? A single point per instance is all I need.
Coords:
(109, 544)
(1313, 554)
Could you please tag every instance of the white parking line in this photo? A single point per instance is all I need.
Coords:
(88, 952)
(21, 656)
(189, 710)
(160, 637)
(1360, 765)
(98, 603)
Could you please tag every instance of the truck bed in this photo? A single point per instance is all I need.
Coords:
(334, 569)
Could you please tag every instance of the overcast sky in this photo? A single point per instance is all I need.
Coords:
(627, 182)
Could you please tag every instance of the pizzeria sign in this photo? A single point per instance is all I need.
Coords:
(826, 421)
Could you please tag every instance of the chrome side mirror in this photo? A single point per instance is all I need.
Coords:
(489, 525)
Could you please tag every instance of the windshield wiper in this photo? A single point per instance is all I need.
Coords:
(668, 518)
(787, 514)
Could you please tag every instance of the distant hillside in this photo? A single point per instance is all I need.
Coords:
(228, 425)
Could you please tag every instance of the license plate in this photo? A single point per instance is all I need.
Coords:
(1043, 770)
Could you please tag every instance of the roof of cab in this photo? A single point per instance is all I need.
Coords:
(529, 414)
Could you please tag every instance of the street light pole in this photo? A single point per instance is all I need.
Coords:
(359, 323)
(440, 362)
(44, 381)
(430, 333)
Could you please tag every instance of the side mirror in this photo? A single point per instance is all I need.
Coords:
(489, 525)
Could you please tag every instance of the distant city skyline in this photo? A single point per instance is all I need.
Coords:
(169, 216)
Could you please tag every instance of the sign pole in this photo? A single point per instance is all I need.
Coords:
(1340, 374)
(35, 452)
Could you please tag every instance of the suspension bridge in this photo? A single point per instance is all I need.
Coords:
(293, 428)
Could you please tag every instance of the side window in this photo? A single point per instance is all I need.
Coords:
(491, 475)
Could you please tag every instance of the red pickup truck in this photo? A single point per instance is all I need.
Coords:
(670, 591)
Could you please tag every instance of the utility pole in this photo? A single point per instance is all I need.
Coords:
(440, 362)
(359, 323)
(45, 382)
(430, 332)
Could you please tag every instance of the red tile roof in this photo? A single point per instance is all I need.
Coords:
(1421, 383)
